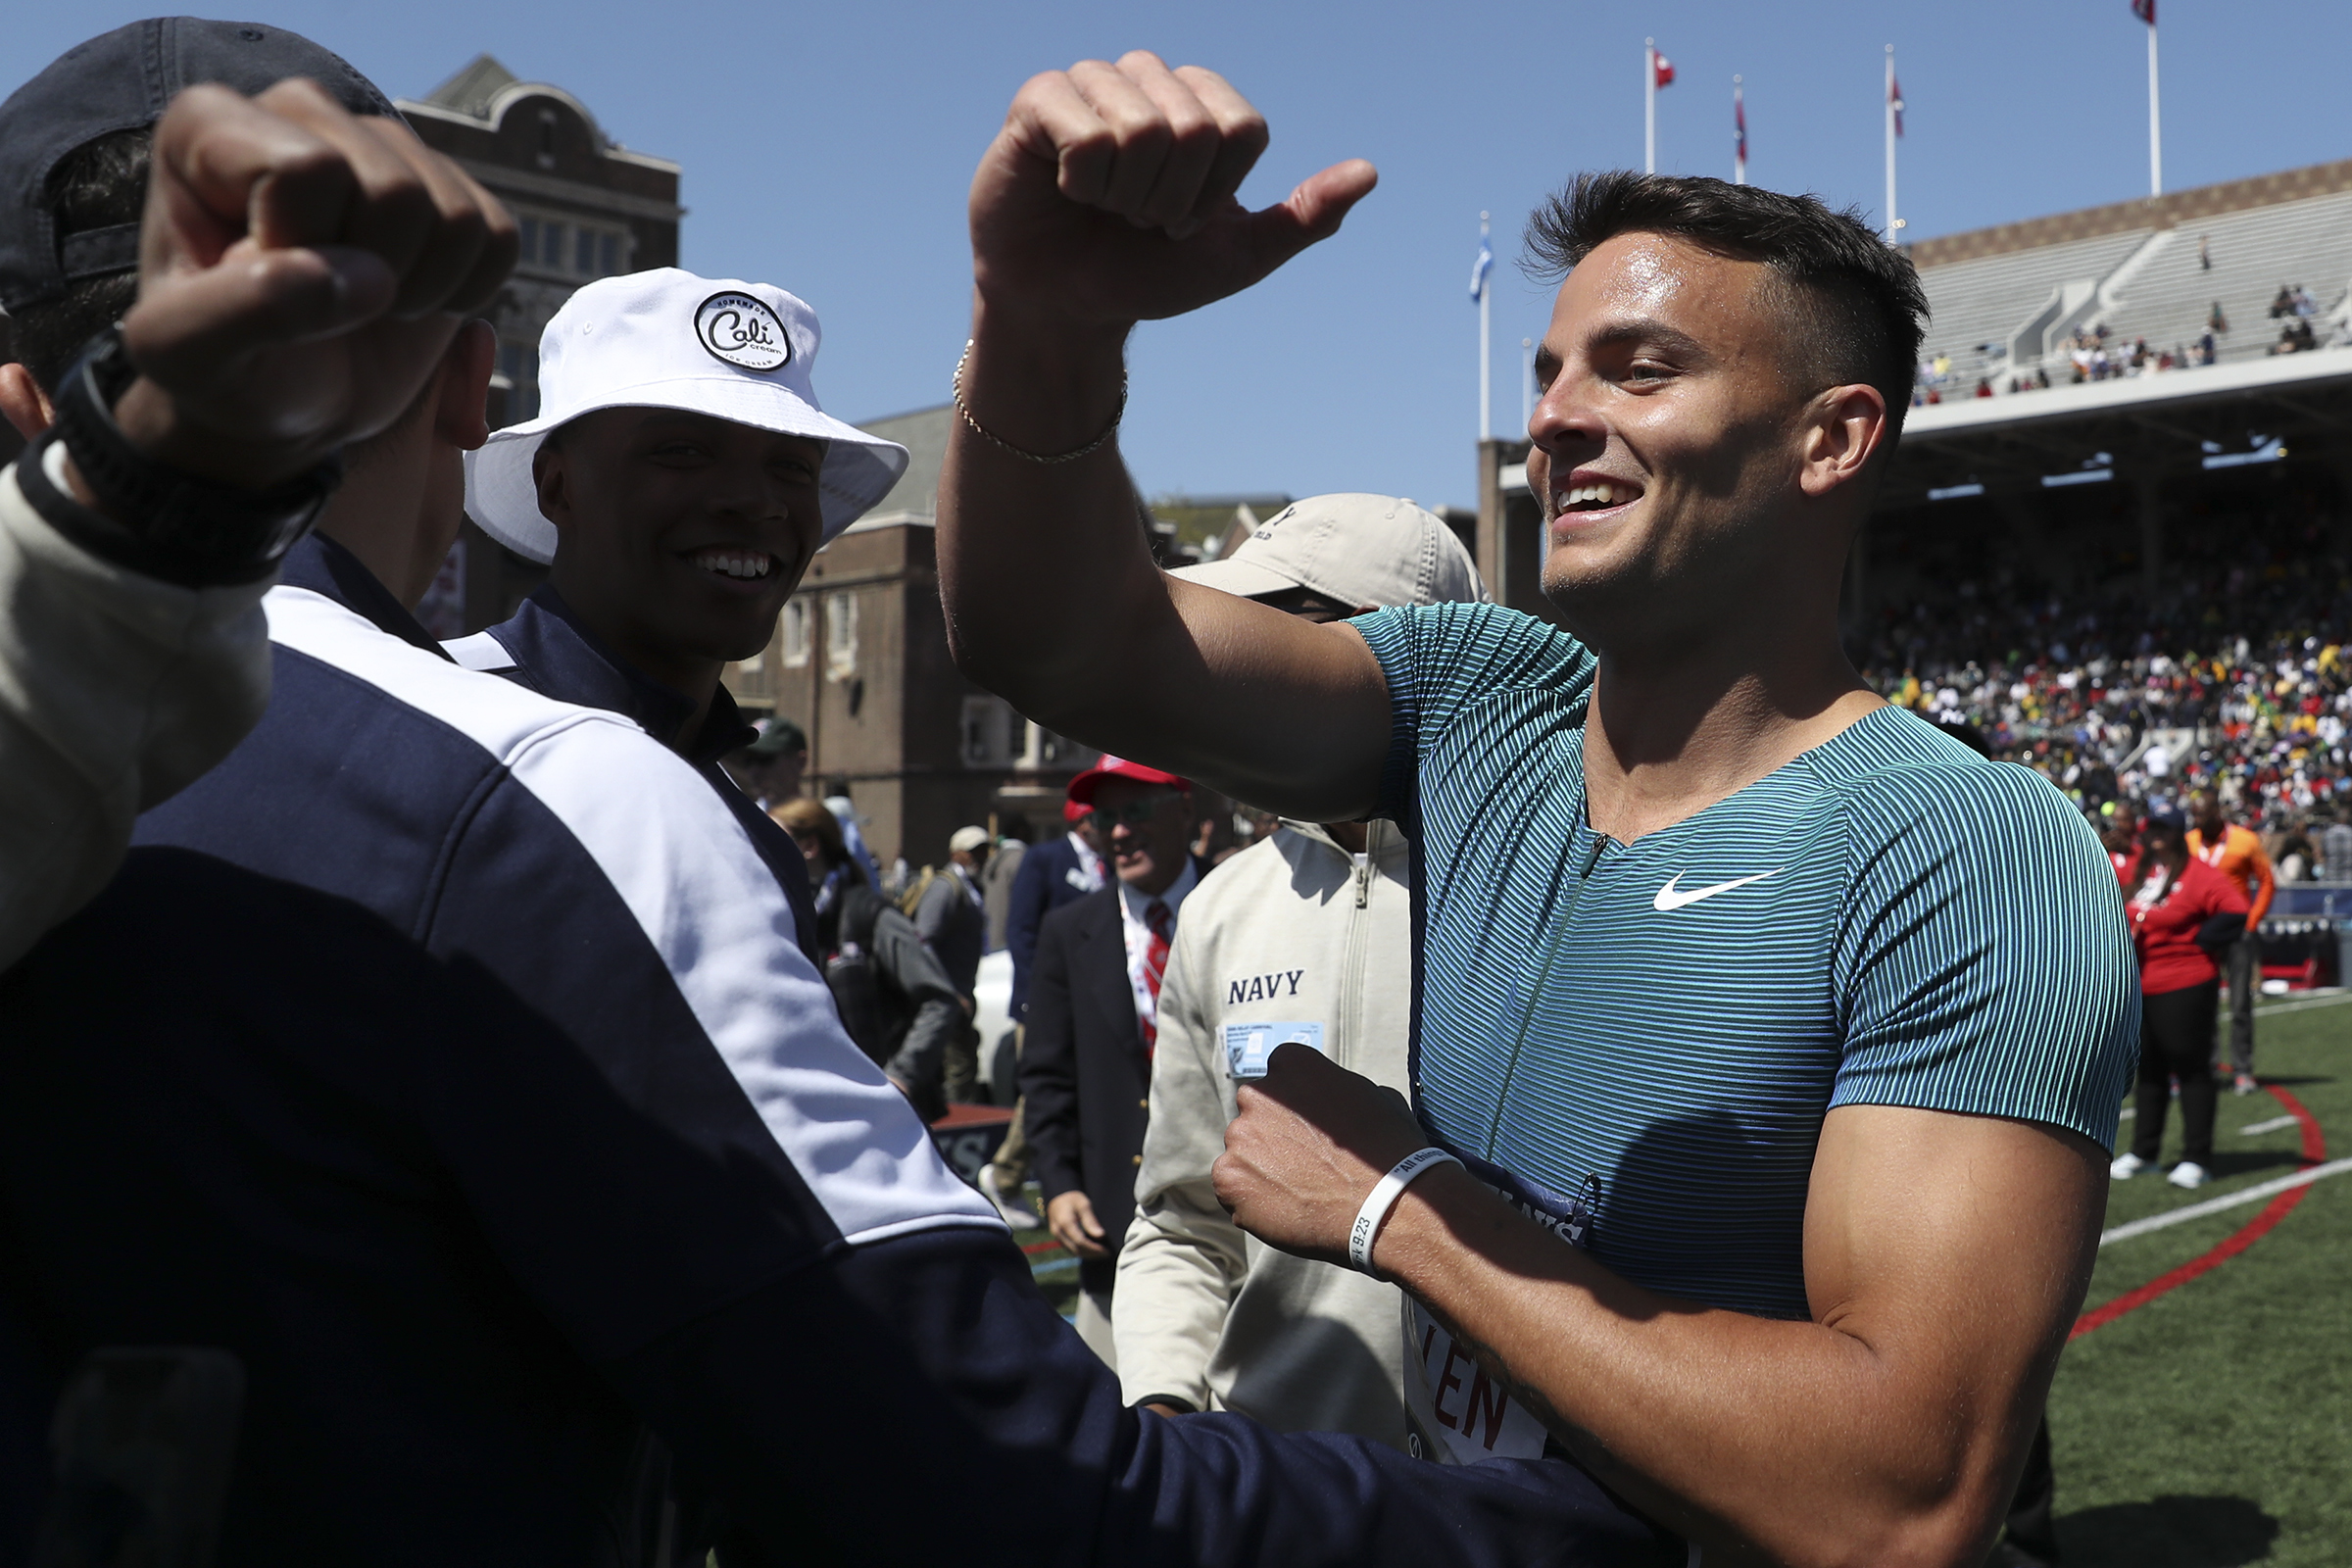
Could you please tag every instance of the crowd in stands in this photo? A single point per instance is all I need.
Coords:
(2236, 675)
(2091, 356)
(2295, 308)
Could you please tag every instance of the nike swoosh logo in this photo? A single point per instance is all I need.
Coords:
(1672, 897)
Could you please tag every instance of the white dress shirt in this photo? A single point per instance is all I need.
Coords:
(1133, 909)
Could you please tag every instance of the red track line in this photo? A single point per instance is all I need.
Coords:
(1035, 1247)
(2315, 1149)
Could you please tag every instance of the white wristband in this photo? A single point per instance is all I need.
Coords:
(1384, 1195)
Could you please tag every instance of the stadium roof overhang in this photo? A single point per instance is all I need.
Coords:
(2178, 422)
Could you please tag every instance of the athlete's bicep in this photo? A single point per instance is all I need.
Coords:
(1957, 1247)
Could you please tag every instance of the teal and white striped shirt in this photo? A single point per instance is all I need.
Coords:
(1641, 1040)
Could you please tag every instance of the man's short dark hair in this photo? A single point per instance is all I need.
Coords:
(98, 185)
(1855, 297)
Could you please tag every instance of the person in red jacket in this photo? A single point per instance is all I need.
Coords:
(2182, 911)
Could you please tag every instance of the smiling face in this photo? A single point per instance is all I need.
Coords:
(679, 536)
(1679, 437)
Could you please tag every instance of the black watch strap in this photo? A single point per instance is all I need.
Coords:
(153, 518)
(1171, 1400)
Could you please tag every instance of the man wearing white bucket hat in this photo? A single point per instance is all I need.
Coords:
(679, 478)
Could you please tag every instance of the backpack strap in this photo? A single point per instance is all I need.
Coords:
(860, 910)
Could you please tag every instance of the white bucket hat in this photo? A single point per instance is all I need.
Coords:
(668, 339)
(1351, 549)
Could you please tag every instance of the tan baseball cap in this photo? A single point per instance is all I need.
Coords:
(1351, 549)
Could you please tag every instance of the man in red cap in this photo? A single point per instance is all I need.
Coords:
(1093, 1013)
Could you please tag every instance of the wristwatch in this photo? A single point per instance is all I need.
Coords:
(154, 518)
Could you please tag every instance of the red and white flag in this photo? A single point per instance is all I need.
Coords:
(1894, 100)
(1661, 69)
(2145, 11)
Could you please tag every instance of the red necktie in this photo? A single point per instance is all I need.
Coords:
(1158, 921)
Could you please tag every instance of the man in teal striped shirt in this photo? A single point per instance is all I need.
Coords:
(1779, 1036)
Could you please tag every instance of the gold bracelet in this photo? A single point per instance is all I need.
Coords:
(990, 436)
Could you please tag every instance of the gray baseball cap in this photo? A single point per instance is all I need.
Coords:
(1351, 549)
(125, 81)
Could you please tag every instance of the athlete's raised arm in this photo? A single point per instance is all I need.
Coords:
(1107, 199)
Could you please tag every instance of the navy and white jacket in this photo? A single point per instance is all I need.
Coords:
(447, 1056)
(547, 648)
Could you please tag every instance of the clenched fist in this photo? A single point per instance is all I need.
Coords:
(1108, 196)
(301, 271)
(1310, 1142)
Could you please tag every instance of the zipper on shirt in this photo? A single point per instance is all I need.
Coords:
(1527, 1014)
(1347, 1007)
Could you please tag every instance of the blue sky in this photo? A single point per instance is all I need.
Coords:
(828, 149)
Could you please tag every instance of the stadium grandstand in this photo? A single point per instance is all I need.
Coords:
(2257, 266)
(2117, 537)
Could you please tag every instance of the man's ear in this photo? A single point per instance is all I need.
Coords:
(462, 417)
(1843, 427)
(548, 476)
(21, 399)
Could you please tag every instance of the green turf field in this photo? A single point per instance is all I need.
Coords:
(2213, 1426)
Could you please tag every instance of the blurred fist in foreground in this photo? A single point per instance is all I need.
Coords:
(301, 271)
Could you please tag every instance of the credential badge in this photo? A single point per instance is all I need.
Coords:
(743, 331)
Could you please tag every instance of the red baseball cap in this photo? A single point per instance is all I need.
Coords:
(1083, 787)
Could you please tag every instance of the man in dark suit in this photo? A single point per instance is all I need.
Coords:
(1093, 1003)
(1054, 873)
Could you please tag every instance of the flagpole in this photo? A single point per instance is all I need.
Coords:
(1892, 223)
(1649, 106)
(1739, 142)
(2155, 124)
(1486, 379)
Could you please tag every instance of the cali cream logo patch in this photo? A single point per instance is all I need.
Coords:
(743, 331)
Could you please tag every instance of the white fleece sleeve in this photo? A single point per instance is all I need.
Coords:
(1184, 1258)
(115, 690)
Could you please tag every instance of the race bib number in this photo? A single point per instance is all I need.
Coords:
(1461, 1410)
(1249, 1044)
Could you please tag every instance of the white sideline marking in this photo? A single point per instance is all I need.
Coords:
(2229, 1201)
(2334, 998)
(2273, 1125)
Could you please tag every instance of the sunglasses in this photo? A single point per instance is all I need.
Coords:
(1135, 813)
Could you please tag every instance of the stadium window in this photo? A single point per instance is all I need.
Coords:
(983, 731)
(520, 363)
(841, 636)
(583, 253)
(530, 239)
(551, 253)
(612, 256)
(796, 633)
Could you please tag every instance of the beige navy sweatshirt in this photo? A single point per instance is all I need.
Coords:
(1293, 936)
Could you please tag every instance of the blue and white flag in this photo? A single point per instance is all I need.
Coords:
(1480, 268)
